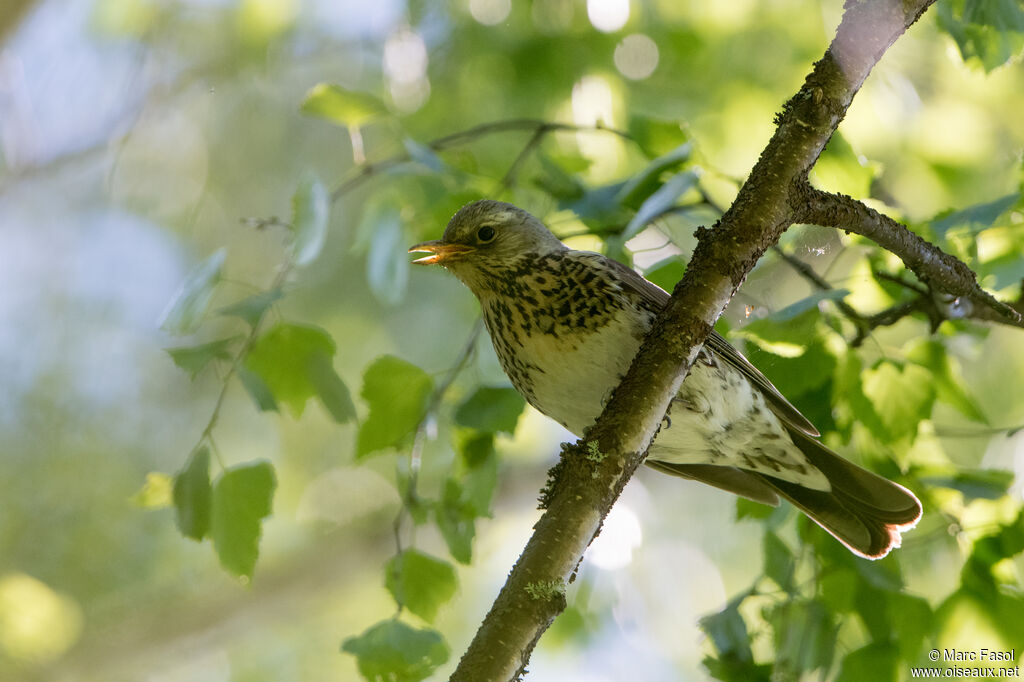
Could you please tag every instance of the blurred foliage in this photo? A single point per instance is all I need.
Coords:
(383, 513)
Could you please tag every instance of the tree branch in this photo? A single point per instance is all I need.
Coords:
(930, 263)
(538, 127)
(593, 471)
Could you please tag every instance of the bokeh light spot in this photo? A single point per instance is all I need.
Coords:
(36, 623)
(636, 57)
(620, 535)
(490, 12)
(608, 15)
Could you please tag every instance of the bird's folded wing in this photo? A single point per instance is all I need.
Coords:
(657, 298)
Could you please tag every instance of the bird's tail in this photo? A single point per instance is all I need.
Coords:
(863, 511)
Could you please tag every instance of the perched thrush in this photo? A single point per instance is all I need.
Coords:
(566, 325)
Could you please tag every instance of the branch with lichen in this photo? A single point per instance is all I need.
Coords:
(584, 491)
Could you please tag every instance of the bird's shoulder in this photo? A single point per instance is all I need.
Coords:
(653, 298)
(626, 281)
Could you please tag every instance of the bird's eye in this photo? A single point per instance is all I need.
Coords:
(485, 233)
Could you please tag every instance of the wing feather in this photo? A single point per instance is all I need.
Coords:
(653, 296)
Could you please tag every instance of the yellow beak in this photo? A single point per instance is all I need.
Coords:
(440, 250)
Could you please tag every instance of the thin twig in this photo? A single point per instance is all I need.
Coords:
(369, 170)
(930, 263)
(420, 437)
(510, 175)
(250, 339)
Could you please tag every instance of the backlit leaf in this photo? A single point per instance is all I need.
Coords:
(341, 106)
(491, 409)
(192, 495)
(902, 397)
(456, 519)
(644, 183)
(396, 393)
(728, 632)
(193, 359)
(420, 582)
(949, 386)
(396, 652)
(242, 498)
(294, 363)
(975, 218)
(876, 661)
(986, 484)
(252, 308)
(156, 493)
(310, 210)
(186, 309)
(660, 202)
(331, 389)
(778, 561)
(387, 262)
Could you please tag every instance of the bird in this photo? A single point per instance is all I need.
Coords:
(566, 324)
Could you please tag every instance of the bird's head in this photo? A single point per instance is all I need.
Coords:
(486, 239)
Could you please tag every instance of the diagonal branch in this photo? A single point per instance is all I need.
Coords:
(930, 263)
(593, 472)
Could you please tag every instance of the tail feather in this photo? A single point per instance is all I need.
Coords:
(864, 511)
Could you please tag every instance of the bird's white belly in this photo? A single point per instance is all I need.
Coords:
(718, 417)
(579, 373)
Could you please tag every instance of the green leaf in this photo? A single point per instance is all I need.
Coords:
(805, 637)
(310, 210)
(656, 136)
(477, 483)
(876, 661)
(728, 632)
(156, 493)
(193, 359)
(841, 169)
(849, 389)
(807, 303)
(985, 484)
(242, 498)
(192, 495)
(946, 377)
(554, 179)
(186, 309)
(397, 393)
(778, 561)
(902, 397)
(257, 390)
(796, 376)
(912, 621)
(660, 202)
(748, 509)
(838, 587)
(396, 652)
(644, 183)
(882, 575)
(252, 308)
(975, 218)
(991, 31)
(788, 337)
(456, 519)
(420, 582)
(343, 107)
(732, 670)
(666, 273)
(387, 260)
(332, 391)
(491, 409)
(294, 363)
